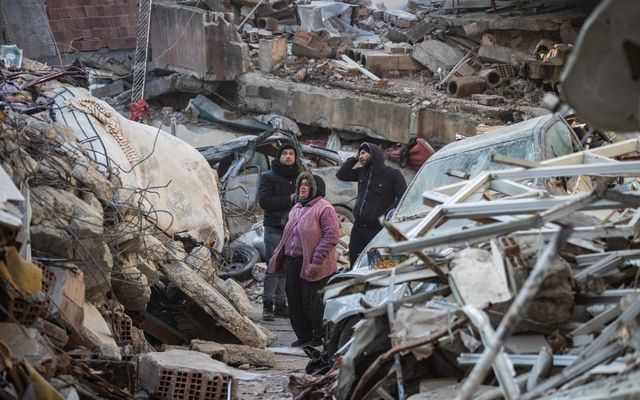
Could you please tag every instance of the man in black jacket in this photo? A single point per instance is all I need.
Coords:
(276, 190)
(380, 188)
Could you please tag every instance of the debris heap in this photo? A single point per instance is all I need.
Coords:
(111, 237)
(531, 293)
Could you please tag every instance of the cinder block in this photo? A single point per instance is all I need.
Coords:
(180, 374)
(76, 12)
(96, 11)
(272, 52)
(122, 327)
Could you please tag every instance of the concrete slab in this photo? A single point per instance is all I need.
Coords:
(97, 332)
(198, 136)
(196, 42)
(328, 108)
(26, 343)
(213, 349)
(435, 55)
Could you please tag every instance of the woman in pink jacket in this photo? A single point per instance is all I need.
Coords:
(307, 255)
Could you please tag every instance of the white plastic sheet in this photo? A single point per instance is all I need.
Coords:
(334, 18)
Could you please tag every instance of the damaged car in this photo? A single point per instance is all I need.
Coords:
(532, 141)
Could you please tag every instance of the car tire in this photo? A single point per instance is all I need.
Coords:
(242, 261)
(342, 333)
(345, 219)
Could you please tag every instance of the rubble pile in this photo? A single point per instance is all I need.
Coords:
(519, 283)
(495, 54)
(109, 249)
(421, 69)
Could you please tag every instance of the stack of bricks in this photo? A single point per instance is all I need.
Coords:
(89, 25)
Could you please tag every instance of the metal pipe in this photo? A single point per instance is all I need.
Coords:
(466, 86)
(491, 77)
(541, 369)
(502, 367)
(391, 316)
(267, 23)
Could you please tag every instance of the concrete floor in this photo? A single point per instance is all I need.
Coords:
(274, 383)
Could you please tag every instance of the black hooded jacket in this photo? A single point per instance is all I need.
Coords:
(274, 193)
(380, 187)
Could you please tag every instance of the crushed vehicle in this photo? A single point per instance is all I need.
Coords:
(533, 140)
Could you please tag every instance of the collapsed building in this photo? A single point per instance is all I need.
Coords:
(108, 249)
(388, 74)
(112, 251)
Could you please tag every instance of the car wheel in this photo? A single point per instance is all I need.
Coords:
(345, 220)
(242, 261)
(342, 333)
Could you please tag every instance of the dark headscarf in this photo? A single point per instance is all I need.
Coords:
(317, 187)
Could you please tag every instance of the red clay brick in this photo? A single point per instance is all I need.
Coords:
(89, 45)
(79, 3)
(119, 32)
(58, 26)
(63, 47)
(98, 22)
(122, 43)
(132, 31)
(123, 9)
(83, 23)
(76, 12)
(119, 21)
(57, 13)
(102, 33)
(81, 33)
(56, 4)
(96, 11)
(62, 36)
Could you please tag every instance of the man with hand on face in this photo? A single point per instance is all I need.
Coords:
(380, 188)
(276, 191)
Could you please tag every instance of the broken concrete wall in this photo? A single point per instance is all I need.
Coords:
(81, 25)
(443, 125)
(25, 23)
(334, 109)
(196, 42)
(339, 109)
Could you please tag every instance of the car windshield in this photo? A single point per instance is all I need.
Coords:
(434, 173)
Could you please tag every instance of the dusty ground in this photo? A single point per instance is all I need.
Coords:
(274, 383)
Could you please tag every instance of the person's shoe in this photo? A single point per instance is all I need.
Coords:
(299, 342)
(267, 312)
(281, 310)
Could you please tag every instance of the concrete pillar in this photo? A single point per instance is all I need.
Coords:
(272, 52)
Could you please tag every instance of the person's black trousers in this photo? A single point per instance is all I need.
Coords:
(306, 307)
(361, 235)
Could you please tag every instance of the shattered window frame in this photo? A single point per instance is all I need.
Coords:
(433, 174)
